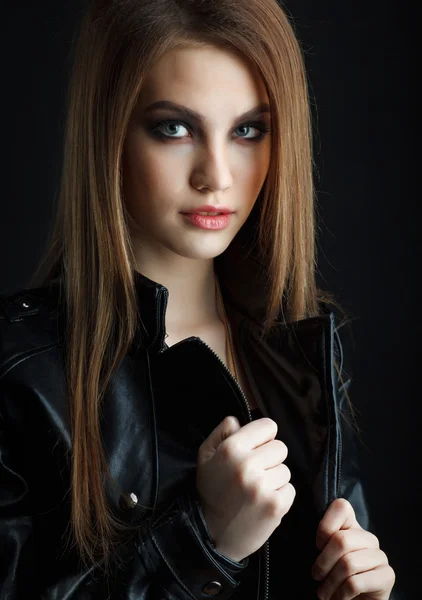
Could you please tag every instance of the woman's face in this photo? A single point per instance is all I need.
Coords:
(174, 163)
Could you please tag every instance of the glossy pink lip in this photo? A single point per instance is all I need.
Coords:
(208, 222)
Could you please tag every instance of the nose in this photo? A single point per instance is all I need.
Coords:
(213, 171)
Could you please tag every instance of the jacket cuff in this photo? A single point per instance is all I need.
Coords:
(183, 557)
(234, 568)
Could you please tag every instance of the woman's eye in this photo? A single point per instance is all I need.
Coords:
(169, 129)
(172, 128)
(261, 128)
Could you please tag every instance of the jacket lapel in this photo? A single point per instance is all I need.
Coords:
(291, 373)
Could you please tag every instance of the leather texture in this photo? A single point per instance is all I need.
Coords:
(159, 407)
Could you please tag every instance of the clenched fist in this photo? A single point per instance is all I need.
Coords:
(243, 485)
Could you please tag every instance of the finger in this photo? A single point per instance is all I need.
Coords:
(276, 478)
(341, 543)
(339, 515)
(351, 564)
(224, 430)
(252, 435)
(269, 455)
(380, 580)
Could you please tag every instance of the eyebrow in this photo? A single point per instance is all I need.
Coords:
(195, 116)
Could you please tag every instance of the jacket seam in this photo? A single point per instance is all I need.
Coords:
(170, 596)
(146, 556)
(4, 368)
(335, 340)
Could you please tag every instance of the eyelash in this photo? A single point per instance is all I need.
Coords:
(155, 129)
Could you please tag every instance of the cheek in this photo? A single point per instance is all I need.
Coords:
(151, 173)
(253, 173)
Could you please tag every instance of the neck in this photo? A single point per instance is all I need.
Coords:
(192, 298)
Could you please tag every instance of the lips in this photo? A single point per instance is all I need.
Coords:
(211, 222)
(206, 214)
(209, 208)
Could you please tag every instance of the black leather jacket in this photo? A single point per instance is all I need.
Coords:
(160, 405)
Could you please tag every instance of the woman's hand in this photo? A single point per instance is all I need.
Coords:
(351, 563)
(243, 485)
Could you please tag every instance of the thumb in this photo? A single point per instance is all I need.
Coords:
(225, 429)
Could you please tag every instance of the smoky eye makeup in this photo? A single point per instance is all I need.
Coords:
(170, 129)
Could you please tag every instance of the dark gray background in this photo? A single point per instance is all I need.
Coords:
(362, 70)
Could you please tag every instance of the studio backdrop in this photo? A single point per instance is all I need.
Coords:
(360, 62)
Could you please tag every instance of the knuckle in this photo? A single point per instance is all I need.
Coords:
(353, 585)
(342, 502)
(348, 564)
(241, 475)
(281, 502)
(229, 449)
(274, 506)
(255, 492)
(340, 540)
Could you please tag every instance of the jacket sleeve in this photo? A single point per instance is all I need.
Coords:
(182, 555)
(176, 558)
(350, 477)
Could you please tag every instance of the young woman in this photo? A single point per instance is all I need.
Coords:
(175, 421)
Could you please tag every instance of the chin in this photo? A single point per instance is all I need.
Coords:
(205, 250)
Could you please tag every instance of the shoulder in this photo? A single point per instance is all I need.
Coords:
(30, 320)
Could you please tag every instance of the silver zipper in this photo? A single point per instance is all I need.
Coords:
(267, 569)
(236, 383)
(231, 376)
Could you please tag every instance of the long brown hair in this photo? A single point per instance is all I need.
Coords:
(90, 246)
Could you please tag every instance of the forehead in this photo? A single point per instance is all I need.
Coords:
(204, 76)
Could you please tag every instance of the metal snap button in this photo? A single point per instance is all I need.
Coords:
(212, 588)
(24, 302)
(127, 502)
